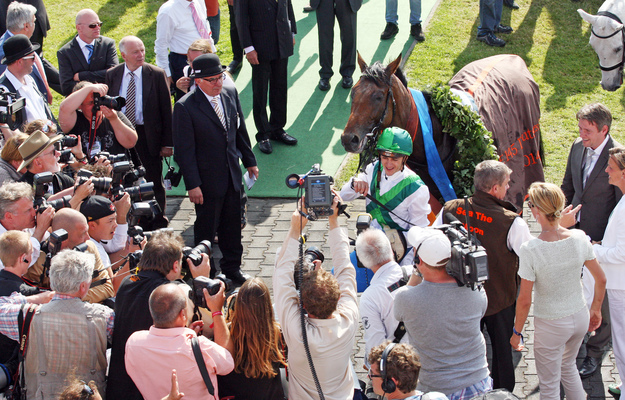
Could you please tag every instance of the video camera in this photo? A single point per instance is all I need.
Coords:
(41, 182)
(316, 190)
(114, 103)
(468, 264)
(211, 285)
(15, 114)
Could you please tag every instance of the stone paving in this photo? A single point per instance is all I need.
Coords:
(268, 223)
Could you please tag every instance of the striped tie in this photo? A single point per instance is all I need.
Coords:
(130, 98)
(217, 107)
(90, 48)
(199, 24)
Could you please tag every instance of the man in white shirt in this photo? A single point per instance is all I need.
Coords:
(88, 55)
(178, 24)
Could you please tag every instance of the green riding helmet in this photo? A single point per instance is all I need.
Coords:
(395, 140)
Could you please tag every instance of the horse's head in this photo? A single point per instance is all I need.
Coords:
(607, 40)
(372, 104)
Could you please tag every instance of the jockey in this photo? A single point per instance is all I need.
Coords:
(402, 194)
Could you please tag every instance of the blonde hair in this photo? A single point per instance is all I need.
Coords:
(549, 199)
(10, 151)
(618, 155)
(254, 331)
(203, 45)
(40, 125)
(12, 245)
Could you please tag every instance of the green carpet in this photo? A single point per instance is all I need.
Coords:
(317, 118)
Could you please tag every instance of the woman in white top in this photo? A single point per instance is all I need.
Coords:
(610, 253)
(551, 265)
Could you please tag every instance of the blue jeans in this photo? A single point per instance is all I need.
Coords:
(490, 16)
(415, 11)
(214, 24)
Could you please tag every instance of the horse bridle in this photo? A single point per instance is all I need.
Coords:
(368, 152)
(622, 30)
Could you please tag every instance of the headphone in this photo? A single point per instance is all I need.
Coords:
(388, 386)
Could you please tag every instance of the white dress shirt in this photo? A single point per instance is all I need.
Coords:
(83, 47)
(175, 30)
(35, 105)
(138, 92)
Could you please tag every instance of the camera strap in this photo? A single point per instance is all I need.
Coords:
(199, 358)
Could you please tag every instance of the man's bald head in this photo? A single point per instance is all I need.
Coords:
(74, 223)
(84, 14)
(166, 302)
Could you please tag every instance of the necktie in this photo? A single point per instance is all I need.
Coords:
(90, 48)
(130, 98)
(199, 24)
(587, 164)
(217, 107)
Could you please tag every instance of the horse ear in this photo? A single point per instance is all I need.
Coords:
(591, 19)
(361, 63)
(392, 67)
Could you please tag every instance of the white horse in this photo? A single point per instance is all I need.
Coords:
(607, 38)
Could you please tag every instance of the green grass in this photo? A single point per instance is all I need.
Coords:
(549, 35)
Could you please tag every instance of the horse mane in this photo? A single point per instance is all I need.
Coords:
(377, 73)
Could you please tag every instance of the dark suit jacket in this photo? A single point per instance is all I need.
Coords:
(35, 74)
(353, 4)
(72, 60)
(205, 151)
(41, 16)
(598, 197)
(268, 25)
(156, 103)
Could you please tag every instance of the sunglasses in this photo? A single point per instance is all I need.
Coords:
(28, 58)
(370, 375)
(94, 25)
(213, 80)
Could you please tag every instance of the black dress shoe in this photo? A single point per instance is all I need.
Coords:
(503, 29)
(589, 366)
(238, 277)
(265, 146)
(416, 31)
(234, 66)
(347, 82)
(308, 9)
(491, 40)
(324, 84)
(285, 138)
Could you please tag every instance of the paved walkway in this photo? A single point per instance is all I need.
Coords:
(268, 223)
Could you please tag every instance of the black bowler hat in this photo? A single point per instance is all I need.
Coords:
(206, 65)
(16, 47)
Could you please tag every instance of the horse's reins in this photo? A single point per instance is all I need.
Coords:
(367, 154)
(622, 30)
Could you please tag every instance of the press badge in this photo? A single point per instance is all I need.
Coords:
(167, 184)
(96, 148)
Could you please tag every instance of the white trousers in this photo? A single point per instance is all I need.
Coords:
(617, 321)
(556, 342)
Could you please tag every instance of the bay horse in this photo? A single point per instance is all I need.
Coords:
(607, 38)
(504, 94)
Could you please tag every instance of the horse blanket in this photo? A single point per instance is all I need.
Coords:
(508, 100)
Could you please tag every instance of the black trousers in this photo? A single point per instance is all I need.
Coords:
(326, 13)
(221, 215)
(153, 167)
(177, 62)
(269, 77)
(237, 50)
(499, 327)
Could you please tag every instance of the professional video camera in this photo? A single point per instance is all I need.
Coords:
(41, 182)
(317, 192)
(307, 265)
(114, 103)
(14, 114)
(211, 285)
(468, 264)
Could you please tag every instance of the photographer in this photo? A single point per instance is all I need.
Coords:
(17, 213)
(443, 321)
(151, 354)
(332, 308)
(397, 198)
(113, 132)
(161, 262)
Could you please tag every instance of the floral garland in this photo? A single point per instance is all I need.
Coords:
(474, 142)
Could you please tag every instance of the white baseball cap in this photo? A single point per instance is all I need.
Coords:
(432, 245)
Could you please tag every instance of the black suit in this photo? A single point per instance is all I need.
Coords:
(268, 25)
(597, 198)
(155, 132)
(345, 12)
(208, 155)
(42, 23)
(72, 61)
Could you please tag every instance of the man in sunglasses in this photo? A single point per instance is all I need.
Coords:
(19, 57)
(210, 137)
(88, 55)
